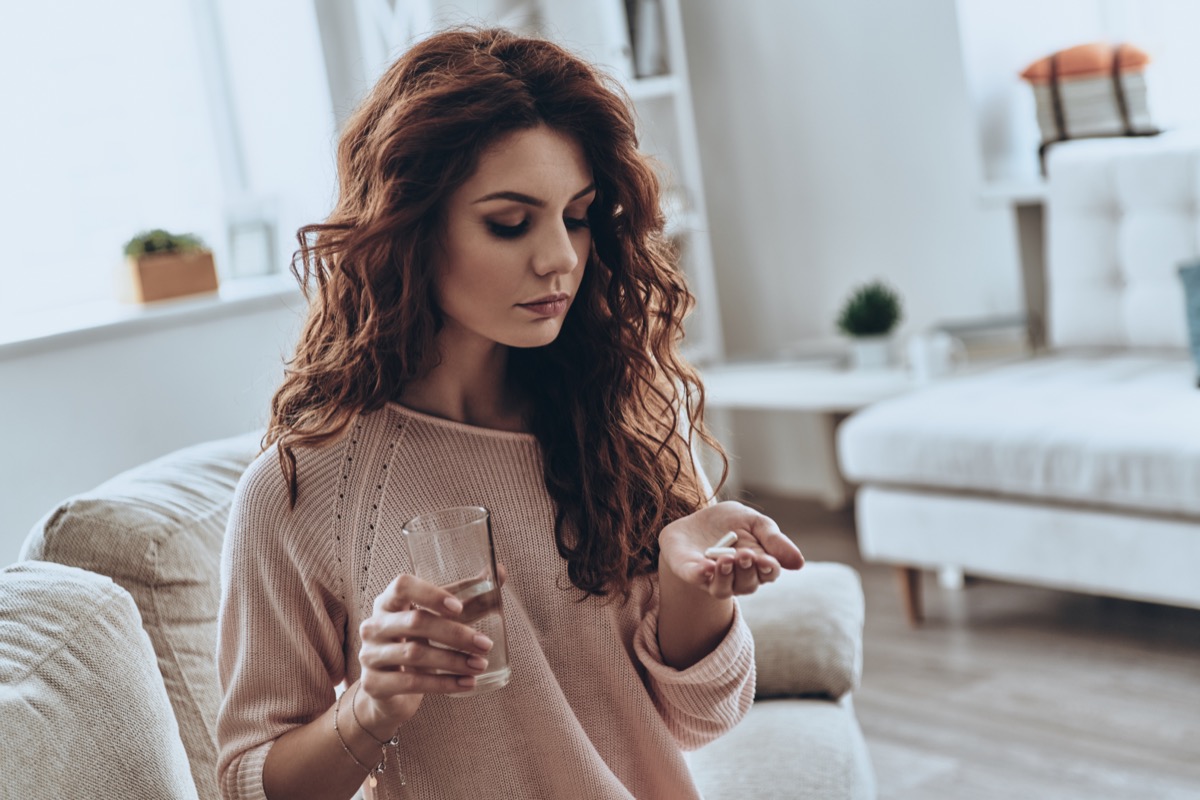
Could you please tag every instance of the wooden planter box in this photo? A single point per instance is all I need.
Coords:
(165, 275)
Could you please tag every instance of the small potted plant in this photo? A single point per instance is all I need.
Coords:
(165, 265)
(868, 317)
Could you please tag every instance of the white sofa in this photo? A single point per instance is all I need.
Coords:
(1078, 469)
(108, 680)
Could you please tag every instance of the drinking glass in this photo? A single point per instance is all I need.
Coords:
(452, 548)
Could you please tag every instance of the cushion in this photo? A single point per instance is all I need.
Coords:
(807, 749)
(1119, 430)
(83, 710)
(1087, 61)
(1121, 214)
(807, 629)
(157, 530)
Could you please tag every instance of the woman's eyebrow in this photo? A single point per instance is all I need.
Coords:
(531, 201)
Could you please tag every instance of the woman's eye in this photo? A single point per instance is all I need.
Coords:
(508, 231)
(576, 223)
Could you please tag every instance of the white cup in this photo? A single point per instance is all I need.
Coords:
(933, 354)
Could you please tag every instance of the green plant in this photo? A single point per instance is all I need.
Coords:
(873, 309)
(160, 241)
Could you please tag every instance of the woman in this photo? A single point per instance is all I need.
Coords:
(495, 322)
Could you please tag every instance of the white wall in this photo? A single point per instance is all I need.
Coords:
(839, 145)
(72, 417)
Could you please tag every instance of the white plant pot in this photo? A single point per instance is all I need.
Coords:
(870, 352)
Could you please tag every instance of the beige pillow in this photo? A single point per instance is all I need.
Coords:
(83, 710)
(807, 630)
(788, 748)
(157, 531)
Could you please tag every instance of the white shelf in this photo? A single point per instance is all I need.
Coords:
(73, 325)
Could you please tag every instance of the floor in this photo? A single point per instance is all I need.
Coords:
(1010, 691)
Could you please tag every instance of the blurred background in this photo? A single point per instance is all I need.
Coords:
(814, 146)
(808, 148)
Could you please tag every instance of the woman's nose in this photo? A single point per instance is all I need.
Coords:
(555, 252)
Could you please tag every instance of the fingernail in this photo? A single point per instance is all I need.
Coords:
(767, 570)
(746, 562)
(727, 568)
(467, 681)
(453, 603)
(476, 662)
(483, 642)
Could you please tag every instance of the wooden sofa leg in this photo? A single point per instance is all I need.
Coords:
(910, 592)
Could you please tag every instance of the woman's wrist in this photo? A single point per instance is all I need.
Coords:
(691, 622)
(370, 718)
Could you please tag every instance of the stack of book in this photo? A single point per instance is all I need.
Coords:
(1091, 90)
(646, 36)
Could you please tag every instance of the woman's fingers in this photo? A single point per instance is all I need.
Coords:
(409, 590)
(774, 542)
(721, 585)
(746, 576)
(418, 655)
(382, 683)
(768, 568)
(419, 623)
(742, 573)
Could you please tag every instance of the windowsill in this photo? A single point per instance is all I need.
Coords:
(67, 327)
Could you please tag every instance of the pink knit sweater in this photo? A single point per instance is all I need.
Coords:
(591, 710)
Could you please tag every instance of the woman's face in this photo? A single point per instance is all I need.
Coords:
(517, 240)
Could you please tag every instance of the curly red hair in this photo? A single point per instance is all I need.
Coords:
(608, 394)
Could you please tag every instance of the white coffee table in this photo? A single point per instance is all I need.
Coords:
(815, 386)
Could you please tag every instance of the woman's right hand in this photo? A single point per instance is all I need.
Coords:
(399, 662)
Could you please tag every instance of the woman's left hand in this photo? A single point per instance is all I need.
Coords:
(762, 550)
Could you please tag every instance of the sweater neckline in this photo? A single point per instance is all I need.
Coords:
(461, 427)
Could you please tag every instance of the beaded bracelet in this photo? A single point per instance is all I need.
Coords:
(377, 770)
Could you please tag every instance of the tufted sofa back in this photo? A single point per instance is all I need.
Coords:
(1121, 215)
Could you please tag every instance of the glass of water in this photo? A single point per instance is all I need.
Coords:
(453, 549)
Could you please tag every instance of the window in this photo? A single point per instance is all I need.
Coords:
(191, 115)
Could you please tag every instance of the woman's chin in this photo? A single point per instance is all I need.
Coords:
(539, 338)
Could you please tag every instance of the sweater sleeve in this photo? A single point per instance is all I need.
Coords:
(280, 633)
(704, 701)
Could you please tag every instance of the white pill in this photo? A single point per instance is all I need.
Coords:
(714, 551)
(726, 540)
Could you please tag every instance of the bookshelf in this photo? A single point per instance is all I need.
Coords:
(641, 43)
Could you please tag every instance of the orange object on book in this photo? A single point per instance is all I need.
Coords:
(1087, 61)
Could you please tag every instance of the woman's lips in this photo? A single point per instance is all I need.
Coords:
(548, 308)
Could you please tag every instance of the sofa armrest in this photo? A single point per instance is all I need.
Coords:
(807, 630)
(83, 708)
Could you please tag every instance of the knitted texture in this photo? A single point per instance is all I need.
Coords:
(83, 709)
(807, 629)
(805, 748)
(590, 712)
